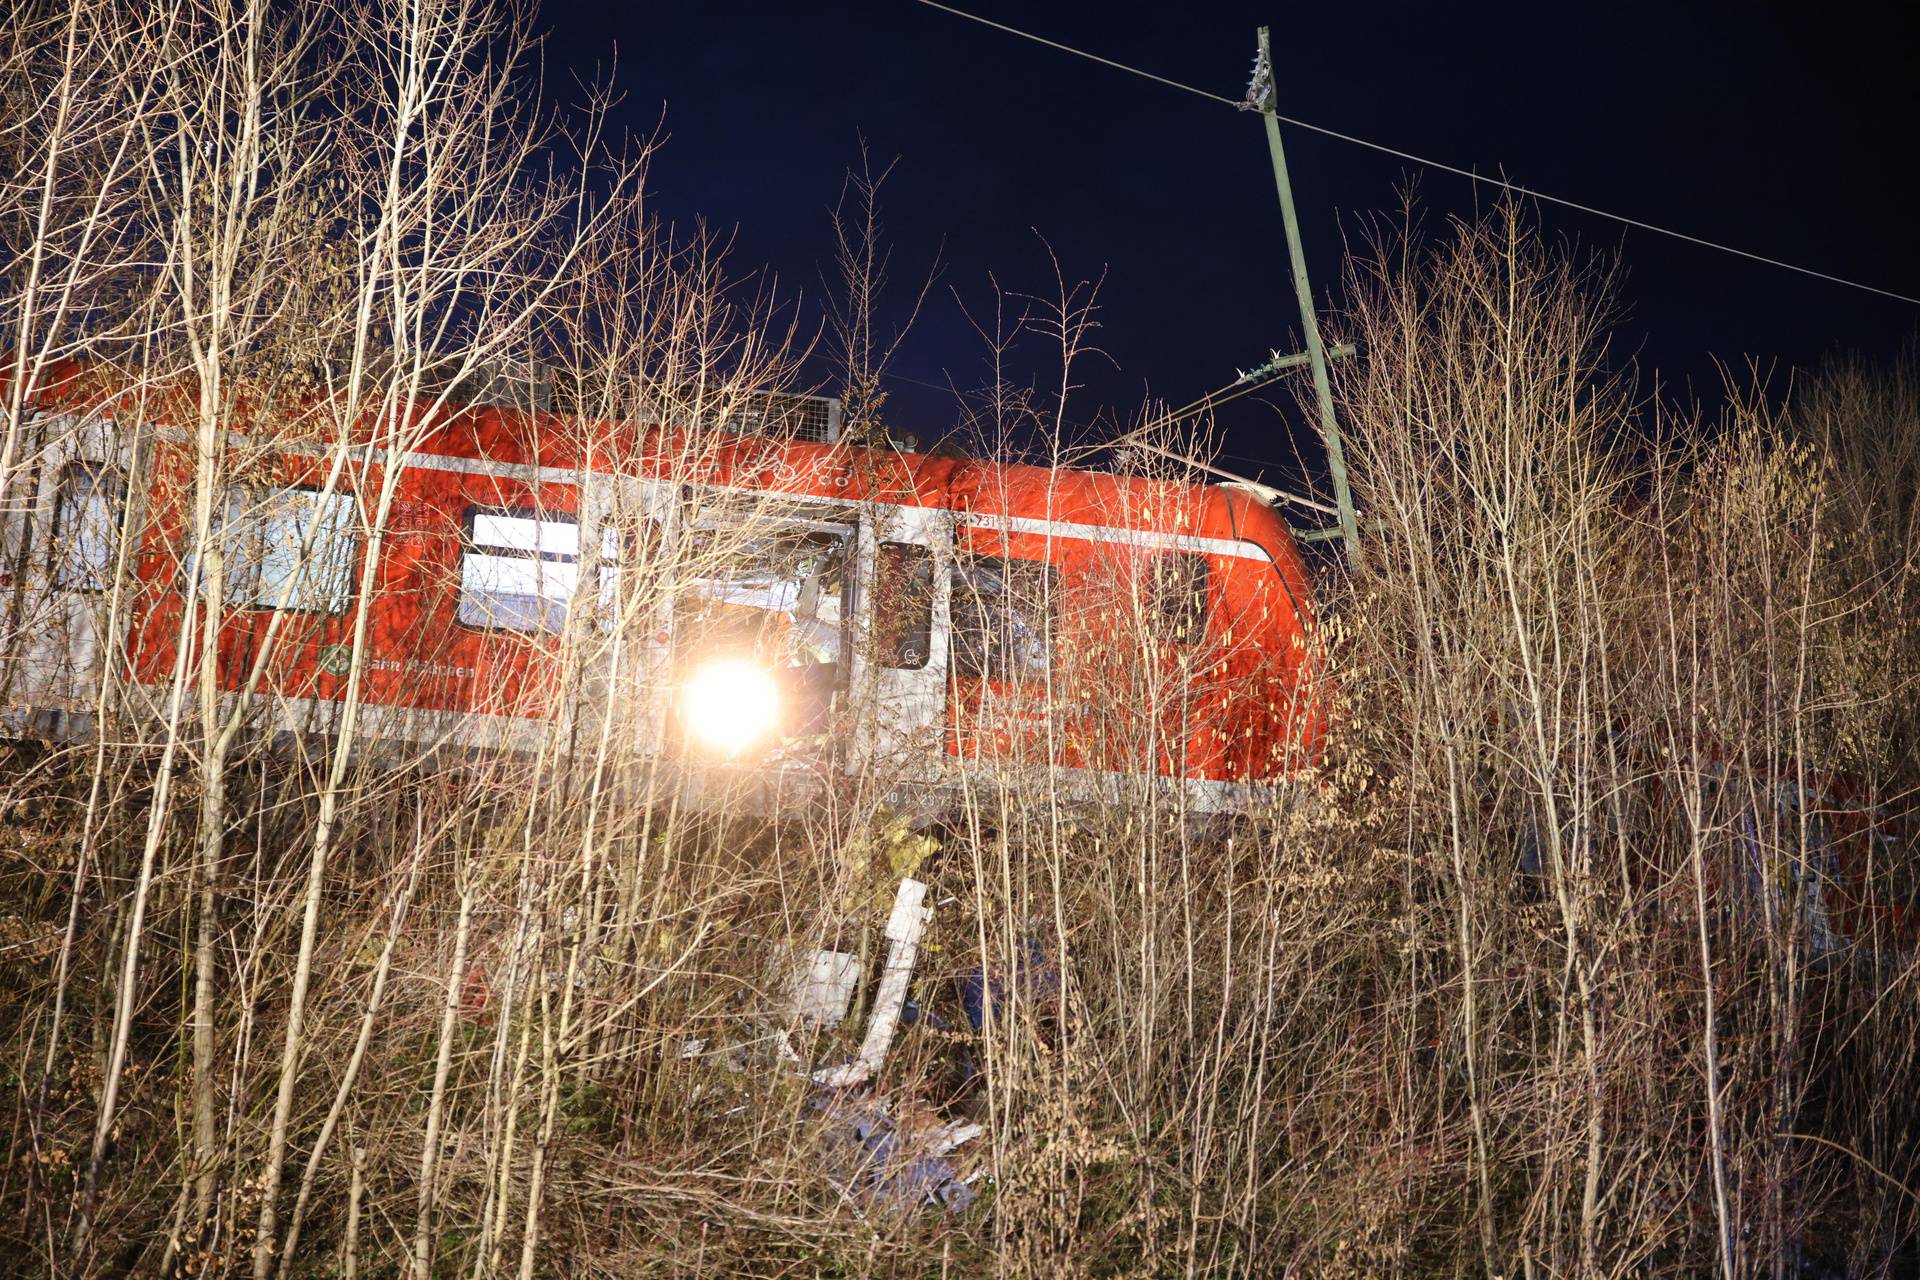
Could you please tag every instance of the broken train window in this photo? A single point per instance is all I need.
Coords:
(1003, 618)
(86, 524)
(777, 594)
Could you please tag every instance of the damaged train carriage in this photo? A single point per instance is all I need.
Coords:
(763, 611)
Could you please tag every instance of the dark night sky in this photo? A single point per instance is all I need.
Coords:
(1788, 131)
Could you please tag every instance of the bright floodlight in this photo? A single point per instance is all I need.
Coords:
(730, 704)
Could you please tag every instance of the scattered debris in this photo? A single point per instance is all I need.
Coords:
(904, 927)
(883, 1159)
(876, 1151)
(1033, 978)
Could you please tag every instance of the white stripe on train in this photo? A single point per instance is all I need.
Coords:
(1240, 549)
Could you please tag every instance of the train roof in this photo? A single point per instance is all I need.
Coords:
(557, 441)
(979, 486)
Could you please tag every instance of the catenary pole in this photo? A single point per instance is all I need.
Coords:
(1261, 99)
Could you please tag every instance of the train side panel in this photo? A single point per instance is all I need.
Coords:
(1080, 622)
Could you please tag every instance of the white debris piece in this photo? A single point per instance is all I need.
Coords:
(824, 992)
(949, 1136)
(904, 927)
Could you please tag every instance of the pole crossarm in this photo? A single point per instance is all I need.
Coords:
(1277, 363)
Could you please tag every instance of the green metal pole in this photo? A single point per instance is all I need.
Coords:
(1316, 351)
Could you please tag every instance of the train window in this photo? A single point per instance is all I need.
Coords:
(519, 568)
(266, 532)
(629, 553)
(86, 520)
(903, 606)
(1180, 595)
(1003, 613)
(774, 590)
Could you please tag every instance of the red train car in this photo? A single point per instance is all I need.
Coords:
(1792, 842)
(753, 603)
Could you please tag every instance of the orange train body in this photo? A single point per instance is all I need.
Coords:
(1231, 684)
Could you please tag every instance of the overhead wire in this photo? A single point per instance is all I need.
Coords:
(1232, 391)
(1471, 175)
(1078, 53)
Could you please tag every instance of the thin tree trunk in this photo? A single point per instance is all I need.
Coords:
(442, 1065)
(350, 1077)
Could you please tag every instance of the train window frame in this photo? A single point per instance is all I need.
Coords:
(892, 640)
(840, 538)
(626, 548)
(550, 622)
(92, 578)
(992, 665)
(1182, 606)
(260, 518)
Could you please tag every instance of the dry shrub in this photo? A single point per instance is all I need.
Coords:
(1576, 954)
(1641, 689)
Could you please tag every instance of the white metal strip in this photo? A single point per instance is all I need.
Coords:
(318, 449)
(1240, 550)
(482, 467)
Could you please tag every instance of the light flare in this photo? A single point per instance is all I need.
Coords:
(730, 704)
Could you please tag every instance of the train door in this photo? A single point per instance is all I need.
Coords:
(63, 551)
(900, 660)
(637, 523)
(763, 627)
